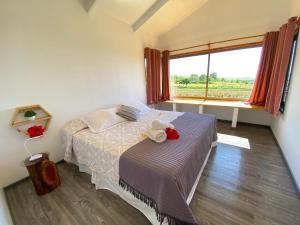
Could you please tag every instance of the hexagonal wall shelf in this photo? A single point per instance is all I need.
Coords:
(21, 123)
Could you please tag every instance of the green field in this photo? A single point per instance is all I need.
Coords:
(216, 89)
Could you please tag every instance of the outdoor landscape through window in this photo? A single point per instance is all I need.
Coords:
(230, 74)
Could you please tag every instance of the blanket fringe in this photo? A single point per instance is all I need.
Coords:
(150, 202)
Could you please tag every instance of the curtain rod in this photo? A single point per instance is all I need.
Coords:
(219, 49)
(217, 42)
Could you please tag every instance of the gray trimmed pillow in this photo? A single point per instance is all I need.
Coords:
(128, 112)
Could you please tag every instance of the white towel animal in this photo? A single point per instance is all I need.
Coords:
(158, 136)
(161, 125)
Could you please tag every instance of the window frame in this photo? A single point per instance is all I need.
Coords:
(289, 73)
(209, 52)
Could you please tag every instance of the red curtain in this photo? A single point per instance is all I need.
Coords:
(280, 67)
(261, 84)
(274, 62)
(165, 76)
(152, 57)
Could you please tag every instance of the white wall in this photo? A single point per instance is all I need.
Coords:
(286, 126)
(220, 20)
(5, 218)
(55, 54)
(295, 8)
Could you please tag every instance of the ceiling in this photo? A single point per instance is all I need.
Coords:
(127, 11)
(170, 15)
(154, 17)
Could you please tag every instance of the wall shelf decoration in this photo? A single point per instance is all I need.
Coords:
(43, 117)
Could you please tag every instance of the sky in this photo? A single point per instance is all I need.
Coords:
(229, 64)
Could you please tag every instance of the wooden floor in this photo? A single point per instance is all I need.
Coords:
(239, 186)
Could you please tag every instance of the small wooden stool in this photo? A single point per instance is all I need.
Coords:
(43, 173)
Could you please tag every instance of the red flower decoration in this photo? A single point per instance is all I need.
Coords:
(172, 134)
(35, 131)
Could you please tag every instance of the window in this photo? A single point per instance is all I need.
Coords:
(289, 74)
(188, 76)
(219, 75)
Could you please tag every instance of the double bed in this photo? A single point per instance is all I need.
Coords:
(99, 154)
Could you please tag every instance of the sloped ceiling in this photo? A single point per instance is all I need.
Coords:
(153, 17)
(127, 11)
(87, 4)
(220, 20)
(170, 15)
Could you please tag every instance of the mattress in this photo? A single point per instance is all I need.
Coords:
(98, 154)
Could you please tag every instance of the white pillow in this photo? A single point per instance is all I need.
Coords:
(139, 105)
(102, 119)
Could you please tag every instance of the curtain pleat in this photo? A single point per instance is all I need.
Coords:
(152, 57)
(261, 84)
(280, 67)
(165, 76)
(273, 68)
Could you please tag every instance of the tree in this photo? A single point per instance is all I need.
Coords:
(194, 78)
(185, 81)
(202, 78)
(213, 76)
(179, 78)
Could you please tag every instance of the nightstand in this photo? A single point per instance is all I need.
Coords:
(43, 173)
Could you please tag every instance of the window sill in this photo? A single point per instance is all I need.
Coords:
(220, 103)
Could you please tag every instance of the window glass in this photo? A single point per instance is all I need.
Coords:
(232, 73)
(188, 76)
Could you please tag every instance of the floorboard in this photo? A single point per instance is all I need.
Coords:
(239, 186)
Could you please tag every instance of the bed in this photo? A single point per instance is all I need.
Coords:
(99, 154)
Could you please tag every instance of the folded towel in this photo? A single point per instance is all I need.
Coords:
(161, 125)
(158, 136)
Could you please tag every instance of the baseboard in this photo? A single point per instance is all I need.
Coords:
(286, 162)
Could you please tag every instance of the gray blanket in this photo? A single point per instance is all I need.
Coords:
(162, 175)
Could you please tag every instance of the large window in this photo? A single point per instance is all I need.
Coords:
(220, 75)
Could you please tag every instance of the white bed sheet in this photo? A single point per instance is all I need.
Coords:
(98, 154)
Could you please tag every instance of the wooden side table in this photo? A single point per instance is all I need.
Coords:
(37, 172)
